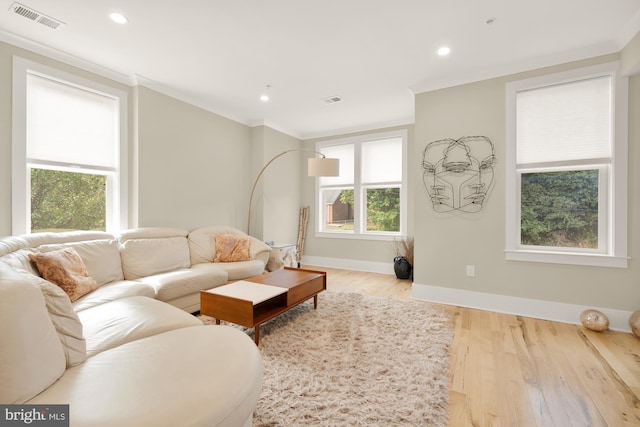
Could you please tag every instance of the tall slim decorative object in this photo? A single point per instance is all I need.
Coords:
(302, 232)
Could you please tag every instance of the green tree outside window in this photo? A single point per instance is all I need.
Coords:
(560, 209)
(62, 201)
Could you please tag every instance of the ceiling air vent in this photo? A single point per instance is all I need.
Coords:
(332, 99)
(35, 16)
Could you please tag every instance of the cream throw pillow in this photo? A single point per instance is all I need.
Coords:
(275, 260)
(66, 269)
(232, 248)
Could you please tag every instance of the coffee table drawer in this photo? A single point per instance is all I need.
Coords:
(306, 290)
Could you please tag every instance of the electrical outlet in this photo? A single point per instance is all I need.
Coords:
(471, 270)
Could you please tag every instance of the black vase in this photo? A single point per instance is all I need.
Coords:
(402, 268)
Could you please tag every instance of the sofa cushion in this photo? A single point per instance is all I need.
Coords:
(31, 355)
(100, 257)
(64, 318)
(196, 376)
(231, 248)
(113, 291)
(65, 268)
(20, 260)
(151, 233)
(128, 319)
(146, 257)
(12, 244)
(66, 322)
(175, 284)
(234, 270)
(203, 247)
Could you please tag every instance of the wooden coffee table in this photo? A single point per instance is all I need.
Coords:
(253, 301)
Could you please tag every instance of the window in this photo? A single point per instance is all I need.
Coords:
(69, 152)
(368, 199)
(566, 177)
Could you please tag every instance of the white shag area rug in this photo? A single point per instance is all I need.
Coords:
(355, 361)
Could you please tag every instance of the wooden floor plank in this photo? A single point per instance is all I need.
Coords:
(514, 371)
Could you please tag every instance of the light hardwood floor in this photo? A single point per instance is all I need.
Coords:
(515, 371)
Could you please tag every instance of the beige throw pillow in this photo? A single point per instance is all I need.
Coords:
(232, 248)
(275, 260)
(66, 269)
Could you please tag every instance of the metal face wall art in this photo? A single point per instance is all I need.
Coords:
(458, 173)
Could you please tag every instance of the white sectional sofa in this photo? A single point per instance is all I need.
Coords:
(123, 354)
(169, 264)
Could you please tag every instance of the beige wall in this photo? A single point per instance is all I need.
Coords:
(631, 56)
(6, 79)
(446, 243)
(188, 167)
(352, 249)
(276, 201)
(192, 165)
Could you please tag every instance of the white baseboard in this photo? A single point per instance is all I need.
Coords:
(539, 309)
(349, 264)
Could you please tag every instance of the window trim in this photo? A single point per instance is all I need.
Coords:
(360, 213)
(117, 199)
(616, 246)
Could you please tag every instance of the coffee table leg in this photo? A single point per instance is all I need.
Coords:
(217, 321)
(315, 302)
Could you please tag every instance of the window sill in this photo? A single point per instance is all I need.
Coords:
(353, 236)
(592, 260)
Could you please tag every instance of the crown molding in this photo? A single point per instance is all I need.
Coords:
(66, 58)
(277, 127)
(402, 122)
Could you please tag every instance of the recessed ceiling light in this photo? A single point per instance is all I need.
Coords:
(265, 96)
(118, 18)
(444, 51)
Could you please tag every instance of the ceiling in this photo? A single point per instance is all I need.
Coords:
(222, 54)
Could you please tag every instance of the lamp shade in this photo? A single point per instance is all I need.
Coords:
(322, 166)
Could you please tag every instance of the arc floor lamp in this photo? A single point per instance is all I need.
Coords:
(316, 166)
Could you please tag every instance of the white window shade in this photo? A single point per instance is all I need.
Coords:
(382, 160)
(70, 125)
(564, 122)
(346, 155)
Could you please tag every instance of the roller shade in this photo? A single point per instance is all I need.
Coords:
(70, 125)
(570, 121)
(382, 160)
(346, 155)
